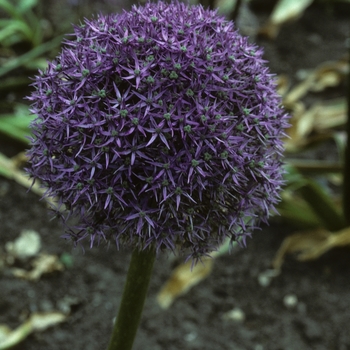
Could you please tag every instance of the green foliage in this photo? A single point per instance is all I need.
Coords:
(21, 23)
(307, 204)
(30, 56)
(15, 125)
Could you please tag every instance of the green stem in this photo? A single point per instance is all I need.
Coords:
(346, 181)
(134, 295)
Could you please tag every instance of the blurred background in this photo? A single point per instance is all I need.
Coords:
(287, 290)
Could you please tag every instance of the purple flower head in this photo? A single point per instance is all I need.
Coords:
(159, 127)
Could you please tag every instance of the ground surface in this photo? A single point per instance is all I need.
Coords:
(93, 285)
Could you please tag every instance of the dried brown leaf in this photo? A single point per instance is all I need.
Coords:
(8, 168)
(299, 91)
(41, 321)
(330, 114)
(300, 128)
(310, 245)
(318, 120)
(43, 264)
(327, 74)
(37, 322)
(330, 74)
(182, 279)
(284, 11)
(282, 84)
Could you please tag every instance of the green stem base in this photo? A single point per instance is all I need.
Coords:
(134, 295)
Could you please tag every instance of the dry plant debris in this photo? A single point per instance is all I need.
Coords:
(284, 11)
(27, 245)
(316, 123)
(26, 248)
(9, 168)
(182, 279)
(37, 322)
(187, 275)
(310, 245)
(42, 264)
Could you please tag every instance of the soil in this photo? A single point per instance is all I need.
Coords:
(305, 307)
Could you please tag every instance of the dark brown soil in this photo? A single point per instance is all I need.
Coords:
(319, 320)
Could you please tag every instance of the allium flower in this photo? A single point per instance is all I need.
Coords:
(160, 126)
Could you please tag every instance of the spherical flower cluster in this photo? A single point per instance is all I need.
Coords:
(159, 127)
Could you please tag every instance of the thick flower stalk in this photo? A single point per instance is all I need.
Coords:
(159, 127)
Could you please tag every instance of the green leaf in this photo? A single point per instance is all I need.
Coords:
(9, 8)
(4, 22)
(313, 208)
(12, 83)
(16, 26)
(16, 125)
(322, 205)
(30, 55)
(297, 212)
(25, 5)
